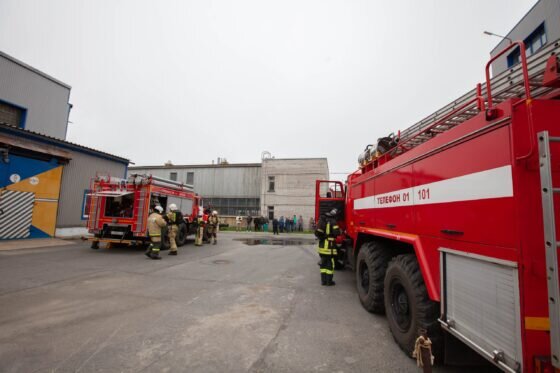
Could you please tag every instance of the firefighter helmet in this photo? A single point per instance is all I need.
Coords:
(158, 209)
(172, 207)
(333, 212)
(214, 212)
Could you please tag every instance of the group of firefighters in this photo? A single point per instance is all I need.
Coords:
(207, 225)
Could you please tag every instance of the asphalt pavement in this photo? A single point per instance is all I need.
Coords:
(251, 305)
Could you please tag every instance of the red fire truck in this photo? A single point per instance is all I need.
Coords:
(119, 208)
(450, 224)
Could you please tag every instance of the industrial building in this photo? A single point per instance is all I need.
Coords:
(271, 188)
(43, 178)
(537, 28)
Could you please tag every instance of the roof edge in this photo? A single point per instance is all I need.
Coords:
(36, 71)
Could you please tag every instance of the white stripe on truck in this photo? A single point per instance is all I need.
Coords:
(494, 183)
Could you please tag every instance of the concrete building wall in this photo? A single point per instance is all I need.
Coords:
(214, 180)
(547, 11)
(76, 178)
(294, 186)
(44, 99)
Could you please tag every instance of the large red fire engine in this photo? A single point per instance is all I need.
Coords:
(119, 208)
(450, 224)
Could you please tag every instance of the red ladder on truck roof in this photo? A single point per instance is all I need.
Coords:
(525, 78)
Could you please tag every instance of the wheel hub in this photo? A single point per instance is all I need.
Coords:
(364, 276)
(400, 307)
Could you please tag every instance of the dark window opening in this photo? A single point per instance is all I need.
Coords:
(535, 41)
(12, 115)
(173, 176)
(190, 178)
(270, 212)
(119, 207)
(271, 181)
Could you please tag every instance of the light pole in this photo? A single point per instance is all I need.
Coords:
(500, 36)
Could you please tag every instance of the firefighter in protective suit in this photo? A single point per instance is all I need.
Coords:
(200, 229)
(213, 223)
(326, 232)
(155, 224)
(174, 218)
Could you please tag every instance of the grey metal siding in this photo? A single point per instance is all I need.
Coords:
(215, 181)
(547, 11)
(76, 178)
(45, 100)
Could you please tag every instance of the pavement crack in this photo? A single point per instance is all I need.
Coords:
(260, 364)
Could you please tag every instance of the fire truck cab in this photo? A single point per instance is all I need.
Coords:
(119, 208)
(450, 224)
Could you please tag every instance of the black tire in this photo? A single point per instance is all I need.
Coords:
(408, 306)
(371, 266)
(164, 239)
(182, 233)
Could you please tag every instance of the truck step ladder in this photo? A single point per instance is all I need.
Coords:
(508, 84)
(551, 245)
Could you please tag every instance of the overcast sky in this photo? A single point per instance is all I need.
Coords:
(190, 81)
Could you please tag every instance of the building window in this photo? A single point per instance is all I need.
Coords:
(271, 183)
(270, 212)
(190, 178)
(12, 115)
(86, 202)
(234, 206)
(533, 43)
(173, 176)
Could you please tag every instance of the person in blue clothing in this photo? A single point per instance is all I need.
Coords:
(281, 224)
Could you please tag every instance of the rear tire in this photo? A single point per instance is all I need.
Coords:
(165, 245)
(408, 306)
(371, 266)
(182, 233)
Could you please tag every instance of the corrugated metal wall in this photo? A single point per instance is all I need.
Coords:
(75, 179)
(45, 100)
(216, 181)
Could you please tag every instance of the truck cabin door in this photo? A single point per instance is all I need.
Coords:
(329, 195)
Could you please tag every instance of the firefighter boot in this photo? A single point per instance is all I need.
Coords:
(172, 252)
(215, 240)
(148, 251)
(330, 281)
(155, 254)
(323, 279)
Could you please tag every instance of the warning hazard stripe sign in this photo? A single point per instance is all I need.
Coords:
(16, 212)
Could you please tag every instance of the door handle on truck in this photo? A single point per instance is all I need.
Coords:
(452, 232)
(392, 226)
(362, 222)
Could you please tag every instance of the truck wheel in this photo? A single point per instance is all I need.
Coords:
(182, 233)
(164, 239)
(371, 266)
(408, 306)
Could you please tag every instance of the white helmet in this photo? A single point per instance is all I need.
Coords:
(158, 209)
(172, 207)
(214, 212)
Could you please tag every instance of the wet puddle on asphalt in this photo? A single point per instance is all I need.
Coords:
(275, 241)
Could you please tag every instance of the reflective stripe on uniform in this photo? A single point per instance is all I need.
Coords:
(327, 251)
(155, 235)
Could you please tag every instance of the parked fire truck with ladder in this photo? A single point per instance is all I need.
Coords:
(119, 208)
(450, 225)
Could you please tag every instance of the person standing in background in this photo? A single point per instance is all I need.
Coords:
(238, 221)
(281, 224)
(275, 226)
(249, 221)
(300, 224)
